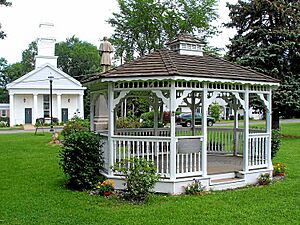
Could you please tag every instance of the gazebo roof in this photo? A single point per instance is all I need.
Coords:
(167, 63)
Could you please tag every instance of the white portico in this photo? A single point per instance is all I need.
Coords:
(29, 96)
(219, 157)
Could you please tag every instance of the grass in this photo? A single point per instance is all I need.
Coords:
(32, 192)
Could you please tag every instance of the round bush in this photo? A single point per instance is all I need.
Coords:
(81, 158)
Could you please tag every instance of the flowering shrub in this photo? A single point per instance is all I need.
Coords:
(279, 168)
(194, 188)
(264, 179)
(105, 186)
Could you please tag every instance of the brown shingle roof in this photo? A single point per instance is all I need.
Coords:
(168, 63)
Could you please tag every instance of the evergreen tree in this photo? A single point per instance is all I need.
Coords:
(268, 41)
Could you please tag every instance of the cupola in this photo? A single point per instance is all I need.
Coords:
(46, 46)
(186, 44)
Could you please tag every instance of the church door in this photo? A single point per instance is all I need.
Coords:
(28, 115)
(64, 115)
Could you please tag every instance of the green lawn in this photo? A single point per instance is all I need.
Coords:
(32, 192)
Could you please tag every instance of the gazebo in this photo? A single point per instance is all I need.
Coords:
(220, 158)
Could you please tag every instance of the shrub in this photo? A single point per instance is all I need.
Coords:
(128, 122)
(81, 158)
(279, 168)
(74, 125)
(194, 188)
(105, 186)
(276, 141)
(4, 122)
(140, 177)
(264, 179)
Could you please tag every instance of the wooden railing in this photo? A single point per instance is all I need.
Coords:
(258, 145)
(149, 148)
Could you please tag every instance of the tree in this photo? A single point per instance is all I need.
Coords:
(268, 41)
(28, 57)
(142, 26)
(5, 3)
(77, 58)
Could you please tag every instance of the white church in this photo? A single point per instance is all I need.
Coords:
(29, 96)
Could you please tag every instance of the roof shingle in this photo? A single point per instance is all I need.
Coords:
(165, 62)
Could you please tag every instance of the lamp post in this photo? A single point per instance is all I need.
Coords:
(51, 123)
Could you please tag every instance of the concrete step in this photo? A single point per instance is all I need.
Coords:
(28, 127)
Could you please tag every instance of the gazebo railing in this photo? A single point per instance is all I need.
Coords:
(147, 147)
(258, 145)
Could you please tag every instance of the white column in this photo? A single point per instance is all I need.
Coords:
(35, 107)
(246, 131)
(110, 126)
(155, 111)
(58, 99)
(92, 111)
(269, 130)
(235, 132)
(204, 109)
(11, 110)
(80, 106)
(173, 150)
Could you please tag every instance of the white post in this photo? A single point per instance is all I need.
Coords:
(204, 131)
(173, 150)
(269, 130)
(246, 131)
(80, 106)
(58, 99)
(11, 110)
(35, 108)
(235, 134)
(110, 127)
(193, 123)
(155, 108)
(92, 111)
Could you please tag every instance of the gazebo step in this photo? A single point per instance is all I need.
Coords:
(222, 176)
(226, 183)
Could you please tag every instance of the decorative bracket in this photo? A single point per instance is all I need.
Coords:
(238, 97)
(264, 101)
(183, 96)
(210, 100)
(117, 100)
(159, 94)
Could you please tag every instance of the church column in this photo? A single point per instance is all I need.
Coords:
(80, 106)
(11, 110)
(35, 108)
(58, 99)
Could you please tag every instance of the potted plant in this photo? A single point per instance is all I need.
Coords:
(264, 179)
(279, 169)
(106, 187)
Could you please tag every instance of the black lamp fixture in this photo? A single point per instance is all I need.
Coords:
(51, 115)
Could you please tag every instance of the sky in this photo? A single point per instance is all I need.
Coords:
(84, 19)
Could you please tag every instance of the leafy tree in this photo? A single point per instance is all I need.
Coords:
(28, 57)
(215, 111)
(142, 26)
(268, 40)
(76, 57)
(5, 3)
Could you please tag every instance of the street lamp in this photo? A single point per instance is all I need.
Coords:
(51, 124)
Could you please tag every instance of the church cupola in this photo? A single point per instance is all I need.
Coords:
(186, 44)
(46, 46)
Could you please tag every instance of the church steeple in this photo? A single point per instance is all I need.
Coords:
(46, 46)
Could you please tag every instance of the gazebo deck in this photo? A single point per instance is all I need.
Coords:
(217, 164)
